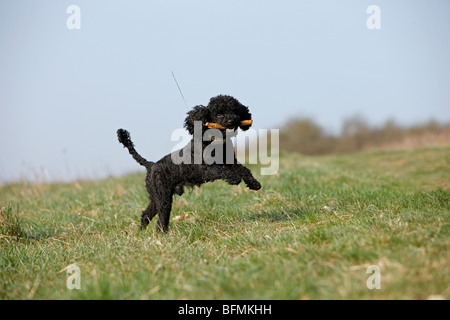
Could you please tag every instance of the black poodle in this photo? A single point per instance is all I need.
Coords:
(207, 157)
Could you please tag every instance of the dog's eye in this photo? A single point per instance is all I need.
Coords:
(219, 116)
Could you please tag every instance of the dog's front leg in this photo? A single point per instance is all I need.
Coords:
(214, 172)
(247, 176)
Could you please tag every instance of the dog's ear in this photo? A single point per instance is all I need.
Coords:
(198, 113)
(245, 115)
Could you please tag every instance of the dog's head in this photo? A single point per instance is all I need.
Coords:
(223, 112)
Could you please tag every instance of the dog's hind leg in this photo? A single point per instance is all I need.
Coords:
(148, 214)
(163, 207)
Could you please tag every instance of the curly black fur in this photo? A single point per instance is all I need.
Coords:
(166, 178)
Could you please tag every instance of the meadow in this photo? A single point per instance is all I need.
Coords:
(312, 232)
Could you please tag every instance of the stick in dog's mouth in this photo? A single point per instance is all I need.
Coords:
(213, 125)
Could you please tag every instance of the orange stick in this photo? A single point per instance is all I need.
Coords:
(246, 122)
(213, 125)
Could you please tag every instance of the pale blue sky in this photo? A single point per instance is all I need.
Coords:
(64, 93)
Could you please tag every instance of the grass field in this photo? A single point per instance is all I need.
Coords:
(311, 233)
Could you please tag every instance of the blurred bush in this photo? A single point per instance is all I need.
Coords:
(305, 136)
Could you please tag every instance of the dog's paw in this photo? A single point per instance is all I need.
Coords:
(254, 185)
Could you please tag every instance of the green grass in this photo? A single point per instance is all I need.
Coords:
(389, 209)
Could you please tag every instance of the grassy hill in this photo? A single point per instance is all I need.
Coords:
(311, 233)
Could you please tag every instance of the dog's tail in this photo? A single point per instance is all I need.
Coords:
(124, 138)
